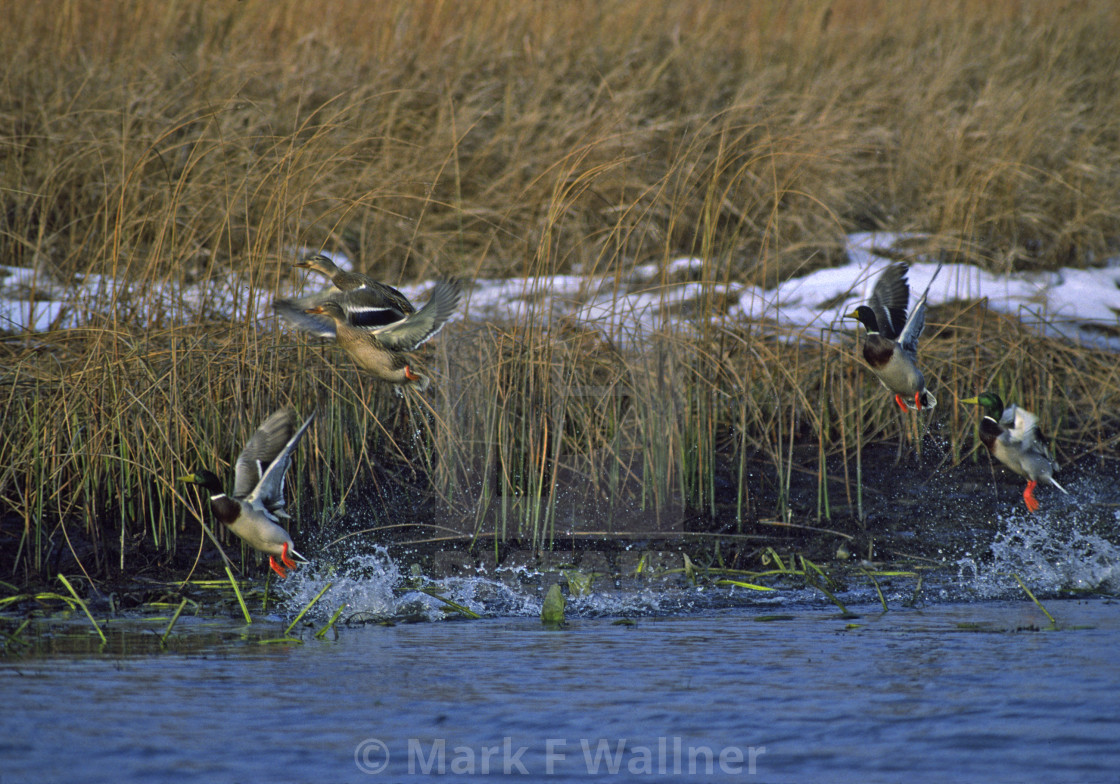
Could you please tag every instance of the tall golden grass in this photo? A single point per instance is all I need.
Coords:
(168, 143)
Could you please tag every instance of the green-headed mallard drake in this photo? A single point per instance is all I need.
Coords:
(1012, 436)
(257, 505)
(383, 351)
(891, 345)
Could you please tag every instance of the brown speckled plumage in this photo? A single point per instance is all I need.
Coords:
(383, 352)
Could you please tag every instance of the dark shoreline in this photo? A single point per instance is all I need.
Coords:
(921, 511)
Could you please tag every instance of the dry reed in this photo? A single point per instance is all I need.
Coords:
(171, 144)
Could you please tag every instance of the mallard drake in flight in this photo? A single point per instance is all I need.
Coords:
(383, 351)
(257, 505)
(1015, 440)
(891, 345)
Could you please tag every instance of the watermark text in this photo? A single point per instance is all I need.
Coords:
(661, 756)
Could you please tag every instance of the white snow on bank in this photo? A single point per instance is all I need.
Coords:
(1080, 305)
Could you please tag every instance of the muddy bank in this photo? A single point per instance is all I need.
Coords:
(916, 510)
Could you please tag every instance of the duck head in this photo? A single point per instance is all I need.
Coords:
(866, 316)
(990, 403)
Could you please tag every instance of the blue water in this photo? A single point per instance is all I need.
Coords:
(953, 691)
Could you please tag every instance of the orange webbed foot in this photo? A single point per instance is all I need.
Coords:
(409, 374)
(284, 557)
(276, 567)
(1028, 497)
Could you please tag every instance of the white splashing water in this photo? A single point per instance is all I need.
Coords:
(1055, 551)
(372, 587)
(1049, 552)
(365, 583)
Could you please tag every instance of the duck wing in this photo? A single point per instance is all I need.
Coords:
(1023, 423)
(292, 311)
(349, 280)
(261, 449)
(374, 307)
(1007, 418)
(419, 327)
(889, 298)
(912, 329)
(370, 307)
(385, 296)
(1026, 433)
(268, 495)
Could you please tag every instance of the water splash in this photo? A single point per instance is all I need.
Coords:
(1060, 550)
(373, 587)
(366, 583)
(1050, 552)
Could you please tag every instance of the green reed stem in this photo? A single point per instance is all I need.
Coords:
(39, 597)
(82, 604)
(172, 622)
(309, 605)
(917, 592)
(806, 565)
(741, 584)
(878, 590)
(812, 581)
(808, 569)
(14, 636)
(330, 624)
(237, 593)
(1027, 591)
(464, 611)
(777, 559)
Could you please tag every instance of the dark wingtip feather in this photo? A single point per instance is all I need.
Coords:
(889, 298)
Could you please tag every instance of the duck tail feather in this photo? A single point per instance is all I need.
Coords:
(295, 556)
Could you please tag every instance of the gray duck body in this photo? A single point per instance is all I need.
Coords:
(254, 511)
(891, 345)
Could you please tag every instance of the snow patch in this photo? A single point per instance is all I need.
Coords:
(1079, 305)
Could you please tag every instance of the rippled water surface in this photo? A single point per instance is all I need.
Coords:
(964, 679)
(951, 691)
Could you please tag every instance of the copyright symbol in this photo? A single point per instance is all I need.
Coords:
(371, 756)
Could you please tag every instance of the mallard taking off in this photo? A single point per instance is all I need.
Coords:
(1015, 440)
(367, 302)
(382, 351)
(346, 280)
(364, 308)
(891, 345)
(257, 504)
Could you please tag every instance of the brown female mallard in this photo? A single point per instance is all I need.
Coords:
(383, 351)
(347, 280)
(366, 302)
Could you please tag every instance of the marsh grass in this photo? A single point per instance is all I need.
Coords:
(167, 145)
(84, 606)
(171, 623)
(1033, 598)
